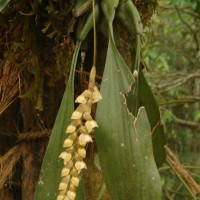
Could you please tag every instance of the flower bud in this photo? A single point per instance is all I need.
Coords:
(82, 152)
(70, 149)
(68, 143)
(74, 172)
(90, 125)
(87, 116)
(92, 77)
(76, 122)
(65, 156)
(83, 130)
(84, 108)
(96, 95)
(73, 136)
(76, 115)
(70, 129)
(72, 187)
(80, 165)
(69, 164)
(75, 181)
(84, 139)
(65, 179)
(81, 99)
(71, 195)
(65, 171)
(86, 94)
(62, 186)
(77, 157)
(135, 73)
(60, 197)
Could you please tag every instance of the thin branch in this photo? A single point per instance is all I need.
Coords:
(186, 10)
(181, 101)
(167, 195)
(178, 82)
(189, 98)
(187, 123)
(88, 74)
(22, 137)
(8, 163)
(190, 184)
(185, 166)
(189, 27)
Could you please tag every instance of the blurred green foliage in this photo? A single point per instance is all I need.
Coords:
(171, 53)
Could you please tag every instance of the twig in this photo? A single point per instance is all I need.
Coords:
(185, 166)
(13, 183)
(167, 195)
(178, 82)
(187, 10)
(33, 135)
(178, 193)
(7, 164)
(87, 74)
(190, 184)
(177, 102)
(187, 123)
(189, 27)
(190, 98)
(9, 86)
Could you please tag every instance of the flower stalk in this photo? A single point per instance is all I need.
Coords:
(79, 134)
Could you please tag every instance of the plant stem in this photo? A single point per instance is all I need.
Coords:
(95, 39)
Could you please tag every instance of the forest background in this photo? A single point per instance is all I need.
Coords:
(170, 58)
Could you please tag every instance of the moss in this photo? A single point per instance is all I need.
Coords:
(146, 9)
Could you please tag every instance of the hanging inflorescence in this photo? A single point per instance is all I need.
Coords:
(79, 135)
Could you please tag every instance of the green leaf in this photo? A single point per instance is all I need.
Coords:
(146, 98)
(3, 4)
(124, 144)
(47, 188)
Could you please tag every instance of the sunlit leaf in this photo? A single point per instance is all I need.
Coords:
(124, 145)
(47, 188)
